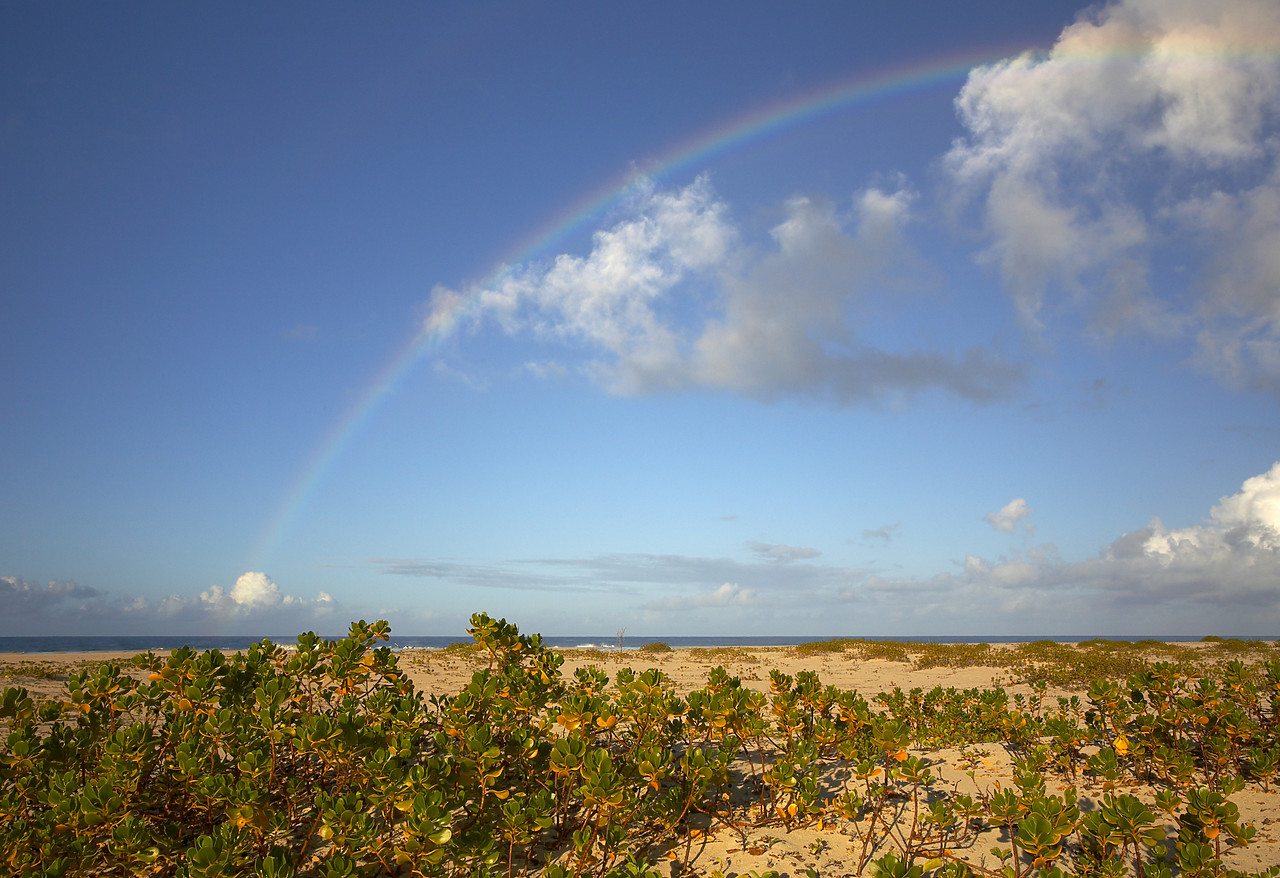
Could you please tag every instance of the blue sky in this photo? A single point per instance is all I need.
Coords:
(824, 318)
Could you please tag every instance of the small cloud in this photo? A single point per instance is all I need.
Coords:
(1011, 574)
(303, 332)
(1006, 520)
(886, 533)
(546, 370)
(727, 595)
(255, 589)
(782, 554)
(444, 370)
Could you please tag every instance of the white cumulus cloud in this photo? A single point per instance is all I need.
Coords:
(256, 589)
(255, 592)
(1007, 518)
(1224, 572)
(1243, 526)
(1149, 124)
(670, 297)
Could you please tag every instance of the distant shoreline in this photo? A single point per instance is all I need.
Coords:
(91, 643)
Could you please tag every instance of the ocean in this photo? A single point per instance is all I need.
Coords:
(237, 643)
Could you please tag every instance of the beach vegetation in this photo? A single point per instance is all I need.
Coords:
(824, 647)
(724, 654)
(324, 760)
(36, 670)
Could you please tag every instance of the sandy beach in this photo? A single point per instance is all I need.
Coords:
(828, 846)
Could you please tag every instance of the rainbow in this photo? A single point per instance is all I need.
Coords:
(747, 128)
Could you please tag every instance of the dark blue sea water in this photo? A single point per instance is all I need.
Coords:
(235, 643)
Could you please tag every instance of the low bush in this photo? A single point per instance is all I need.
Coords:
(324, 761)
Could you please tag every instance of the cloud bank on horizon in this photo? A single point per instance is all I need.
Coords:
(253, 605)
(1221, 573)
(1116, 193)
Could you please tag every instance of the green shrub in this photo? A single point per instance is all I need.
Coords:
(954, 655)
(824, 647)
(887, 650)
(324, 760)
(724, 654)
